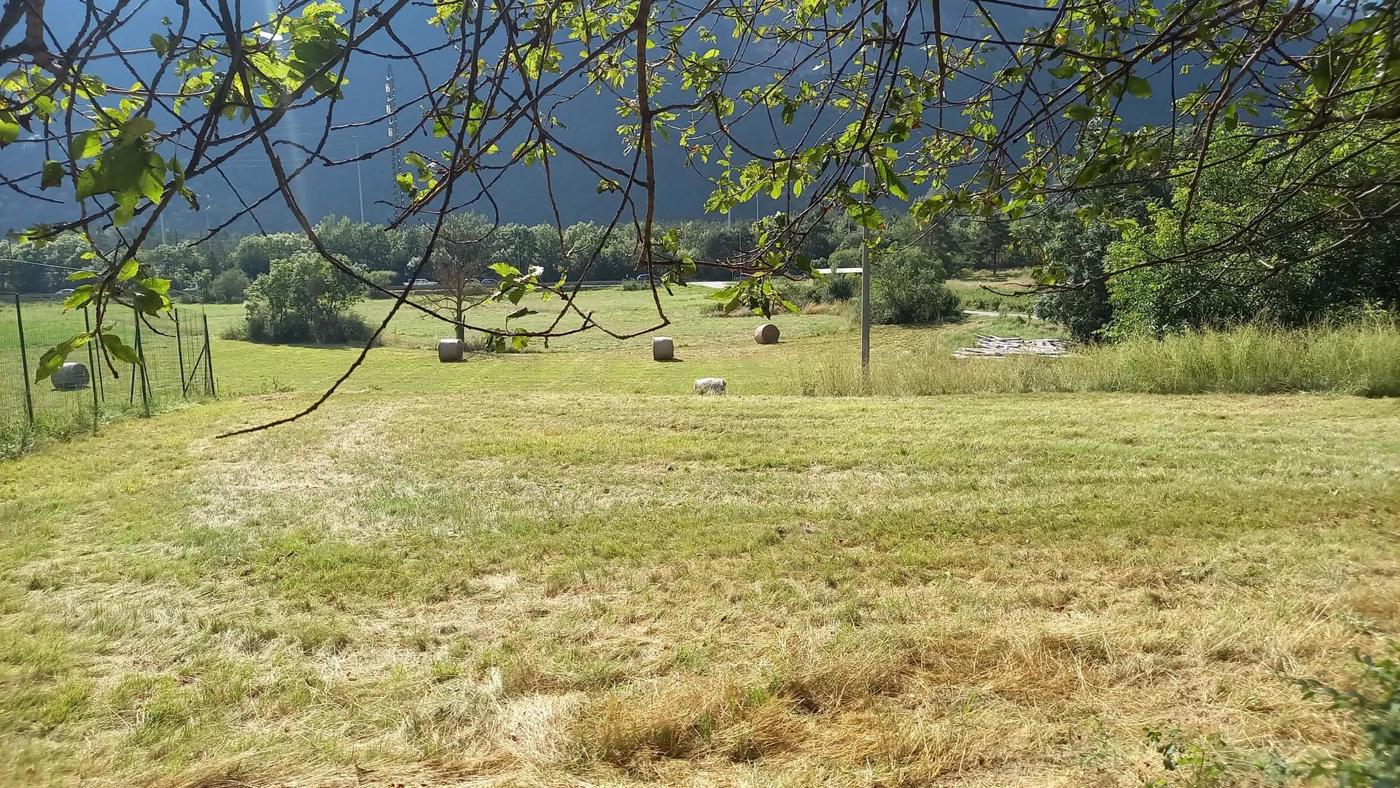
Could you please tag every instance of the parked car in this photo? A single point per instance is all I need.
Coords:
(64, 293)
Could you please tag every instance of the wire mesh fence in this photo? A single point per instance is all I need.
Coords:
(89, 389)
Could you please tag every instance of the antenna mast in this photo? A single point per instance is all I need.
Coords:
(395, 159)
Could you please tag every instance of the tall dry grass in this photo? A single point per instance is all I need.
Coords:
(1361, 358)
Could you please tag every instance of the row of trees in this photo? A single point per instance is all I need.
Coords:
(469, 244)
(220, 268)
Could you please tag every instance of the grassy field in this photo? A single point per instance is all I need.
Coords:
(174, 372)
(1005, 291)
(559, 568)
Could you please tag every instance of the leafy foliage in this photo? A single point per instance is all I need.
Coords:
(303, 299)
(1374, 705)
(228, 287)
(836, 110)
(907, 287)
(1284, 277)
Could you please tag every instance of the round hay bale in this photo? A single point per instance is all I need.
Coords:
(663, 349)
(70, 377)
(714, 386)
(766, 334)
(450, 350)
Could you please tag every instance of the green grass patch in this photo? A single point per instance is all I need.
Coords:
(1361, 359)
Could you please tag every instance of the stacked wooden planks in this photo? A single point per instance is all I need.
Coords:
(1001, 347)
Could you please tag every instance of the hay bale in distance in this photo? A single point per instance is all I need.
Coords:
(71, 376)
(663, 349)
(450, 350)
(709, 386)
(766, 334)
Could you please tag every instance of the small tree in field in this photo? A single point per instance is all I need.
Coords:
(303, 299)
(458, 266)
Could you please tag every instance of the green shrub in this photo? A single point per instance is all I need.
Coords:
(303, 299)
(335, 329)
(1375, 707)
(841, 287)
(384, 279)
(907, 287)
(228, 287)
(828, 289)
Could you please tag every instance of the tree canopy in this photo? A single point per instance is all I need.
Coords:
(993, 108)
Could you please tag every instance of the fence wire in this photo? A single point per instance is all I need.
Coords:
(176, 366)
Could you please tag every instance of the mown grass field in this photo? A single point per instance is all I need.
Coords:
(1004, 291)
(561, 568)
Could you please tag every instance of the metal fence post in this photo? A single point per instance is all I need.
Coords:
(24, 362)
(94, 373)
(209, 358)
(180, 351)
(141, 355)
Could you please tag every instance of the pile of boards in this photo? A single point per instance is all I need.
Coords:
(1001, 347)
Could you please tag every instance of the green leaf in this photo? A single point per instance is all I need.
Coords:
(52, 176)
(1052, 274)
(137, 127)
(9, 129)
(866, 216)
(126, 170)
(80, 297)
(120, 350)
(156, 284)
(53, 358)
(86, 145)
(152, 179)
(149, 301)
(1232, 117)
(160, 43)
(891, 179)
(1322, 76)
(128, 269)
(1139, 87)
(1079, 112)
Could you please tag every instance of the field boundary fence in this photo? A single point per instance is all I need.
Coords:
(90, 389)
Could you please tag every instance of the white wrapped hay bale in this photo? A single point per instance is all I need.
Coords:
(662, 349)
(709, 386)
(450, 350)
(766, 334)
(70, 377)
